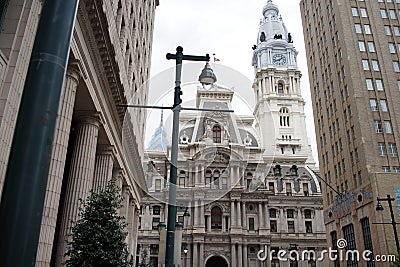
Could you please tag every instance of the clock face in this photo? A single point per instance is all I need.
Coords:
(279, 59)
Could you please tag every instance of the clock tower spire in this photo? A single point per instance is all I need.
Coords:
(279, 104)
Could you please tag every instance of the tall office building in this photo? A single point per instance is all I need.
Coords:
(353, 50)
(109, 61)
(247, 181)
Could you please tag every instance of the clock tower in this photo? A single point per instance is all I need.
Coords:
(279, 103)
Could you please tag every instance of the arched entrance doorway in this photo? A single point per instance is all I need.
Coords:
(216, 261)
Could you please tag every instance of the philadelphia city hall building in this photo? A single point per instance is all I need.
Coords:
(245, 183)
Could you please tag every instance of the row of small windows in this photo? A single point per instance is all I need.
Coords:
(379, 128)
(374, 105)
(392, 149)
(389, 1)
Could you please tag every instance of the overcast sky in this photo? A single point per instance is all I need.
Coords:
(228, 29)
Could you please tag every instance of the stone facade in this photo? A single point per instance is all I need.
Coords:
(109, 62)
(354, 77)
(248, 182)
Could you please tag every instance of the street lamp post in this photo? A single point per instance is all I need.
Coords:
(379, 207)
(179, 57)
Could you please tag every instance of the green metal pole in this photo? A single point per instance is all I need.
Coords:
(169, 254)
(26, 179)
(179, 57)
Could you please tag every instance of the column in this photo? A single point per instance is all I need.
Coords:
(195, 255)
(300, 222)
(260, 216)
(244, 215)
(196, 176)
(245, 260)
(57, 164)
(233, 255)
(239, 213)
(80, 179)
(202, 218)
(209, 223)
(233, 215)
(103, 167)
(129, 220)
(266, 216)
(196, 213)
(240, 256)
(201, 254)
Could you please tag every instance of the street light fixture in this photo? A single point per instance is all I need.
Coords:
(379, 208)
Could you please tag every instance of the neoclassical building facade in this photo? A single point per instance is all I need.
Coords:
(109, 61)
(248, 182)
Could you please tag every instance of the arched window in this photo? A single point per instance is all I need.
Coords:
(217, 134)
(249, 179)
(216, 218)
(284, 117)
(280, 88)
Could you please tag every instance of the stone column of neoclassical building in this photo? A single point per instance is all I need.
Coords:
(103, 170)
(80, 179)
(56, 169)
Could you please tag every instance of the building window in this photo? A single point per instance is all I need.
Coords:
(367, 239)
(384, 14)
(216, 180)
(396, 66)
(365, 64)
(216, 218)
(392, 48)
(361, 45)
(307, 214)
(217, 134)
(155, 223)
(385, 169)
(375, 65)
(392, 150)
(388, 127)
(308, 227)
(280, 88)
(383, 105)
(396, 169)
(156, 210)
(181, 181)
(382, 149)
(288, 189)
(388, 31)
(284, 117)
(379, 83)
(348, 234)
(271, 186)
(291, 226)
(371, 47)
(373, 104)
(158, 185)
(251, 224)
(392, 14)
(396, 30)
(369, 83)
(153, 249)
(273, 226)
(358, 28)
(272, 213)
(354, 12)
(363, 12)
(208, 179)
(378, 126)
(305, 189)
(367, 29)
(290, 213)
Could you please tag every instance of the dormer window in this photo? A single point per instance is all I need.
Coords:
(284, 117)
(217, 134)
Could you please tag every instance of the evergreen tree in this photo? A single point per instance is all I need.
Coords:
(98, 237)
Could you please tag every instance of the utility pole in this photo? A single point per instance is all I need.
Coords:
(25, 184)
(179, 57)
